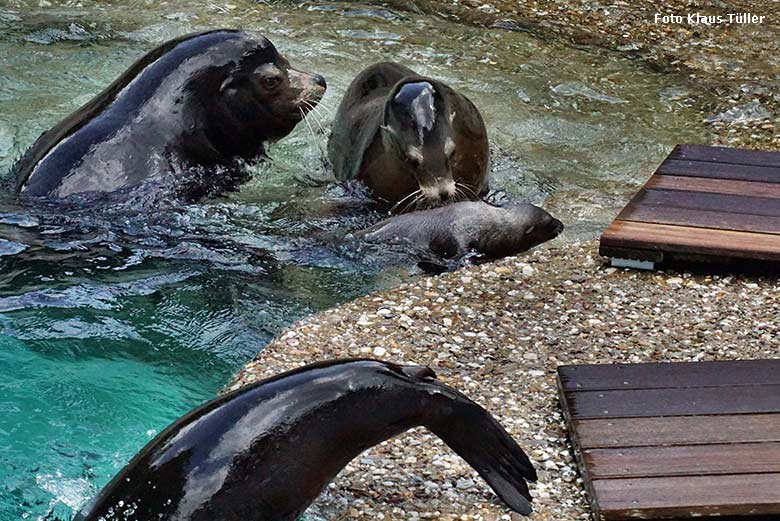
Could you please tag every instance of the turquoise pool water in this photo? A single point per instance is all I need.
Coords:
(110, 328)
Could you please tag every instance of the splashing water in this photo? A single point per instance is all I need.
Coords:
(114, 322)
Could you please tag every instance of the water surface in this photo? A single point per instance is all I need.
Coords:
(112, 324)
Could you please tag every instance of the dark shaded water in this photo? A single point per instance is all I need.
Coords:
(114, 323)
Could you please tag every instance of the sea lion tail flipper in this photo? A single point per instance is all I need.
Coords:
(480, 440)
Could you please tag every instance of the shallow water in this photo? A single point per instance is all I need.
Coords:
(111, 327)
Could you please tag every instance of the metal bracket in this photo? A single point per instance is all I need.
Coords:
(618, 262)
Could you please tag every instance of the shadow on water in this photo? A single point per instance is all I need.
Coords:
(116, 319)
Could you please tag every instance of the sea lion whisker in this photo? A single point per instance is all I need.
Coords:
(317, 117)
(420, 198)
(460, 194)
(326, 104)
(404, 199)
(415, 203)
(320, 106)
(467, 187)
(317, 143)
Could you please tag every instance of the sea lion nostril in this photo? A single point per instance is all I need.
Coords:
(320, 80)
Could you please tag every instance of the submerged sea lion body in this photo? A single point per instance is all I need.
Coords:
(203, 101)
(266, 451)
(414, 141)
(453, 231)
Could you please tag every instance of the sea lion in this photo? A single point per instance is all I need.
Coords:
(192, 108)
(266, 451)
(455, 230)
(414, 141)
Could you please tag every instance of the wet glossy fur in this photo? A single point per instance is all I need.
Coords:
(265, 452)
(453, 231)
(375, 131)
(194, 103)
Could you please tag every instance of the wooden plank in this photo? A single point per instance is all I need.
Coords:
(686, 239)
(666, 375)
(677, 441)
(717, 220)
(715, 186)
(763, 174)
(688, 496)
(678, 430)
(741, 204)
(645, 403)
(726, 155)
(684, 460)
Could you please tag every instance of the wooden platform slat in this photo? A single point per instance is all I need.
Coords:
(684, 460)
(689, 496)
(675, 402)
(691, 240)
(677, 440)
(725, 155)
(715, 186)
(739, 204)
(764, 174)
(678, 430)
(716, 220)
(668, 375)
(705, 204)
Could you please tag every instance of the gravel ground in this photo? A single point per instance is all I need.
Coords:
(739, 64)
(497, 332)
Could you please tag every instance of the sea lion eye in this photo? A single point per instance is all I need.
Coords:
(271, 82)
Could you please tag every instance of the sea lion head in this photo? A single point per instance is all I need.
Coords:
(266, 92)
(517, 228)
(417, 128)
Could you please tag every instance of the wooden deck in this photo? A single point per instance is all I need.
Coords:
(677, 441)
(703, 203)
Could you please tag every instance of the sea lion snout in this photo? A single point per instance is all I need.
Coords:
(557, 227)
(442, 191)
(310, 86)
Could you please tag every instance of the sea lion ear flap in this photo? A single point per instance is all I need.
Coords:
(452, 116)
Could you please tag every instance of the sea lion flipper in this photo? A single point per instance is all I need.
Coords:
(479, 439)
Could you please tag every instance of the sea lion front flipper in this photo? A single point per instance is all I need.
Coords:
(479, 439)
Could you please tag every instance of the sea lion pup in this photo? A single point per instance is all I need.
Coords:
(414, 141)
(192, 108)
(453, 231)
(266, 451)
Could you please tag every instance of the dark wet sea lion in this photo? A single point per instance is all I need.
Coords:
(414, 141)
(202, 101)
(454, 230)
(266, 451)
